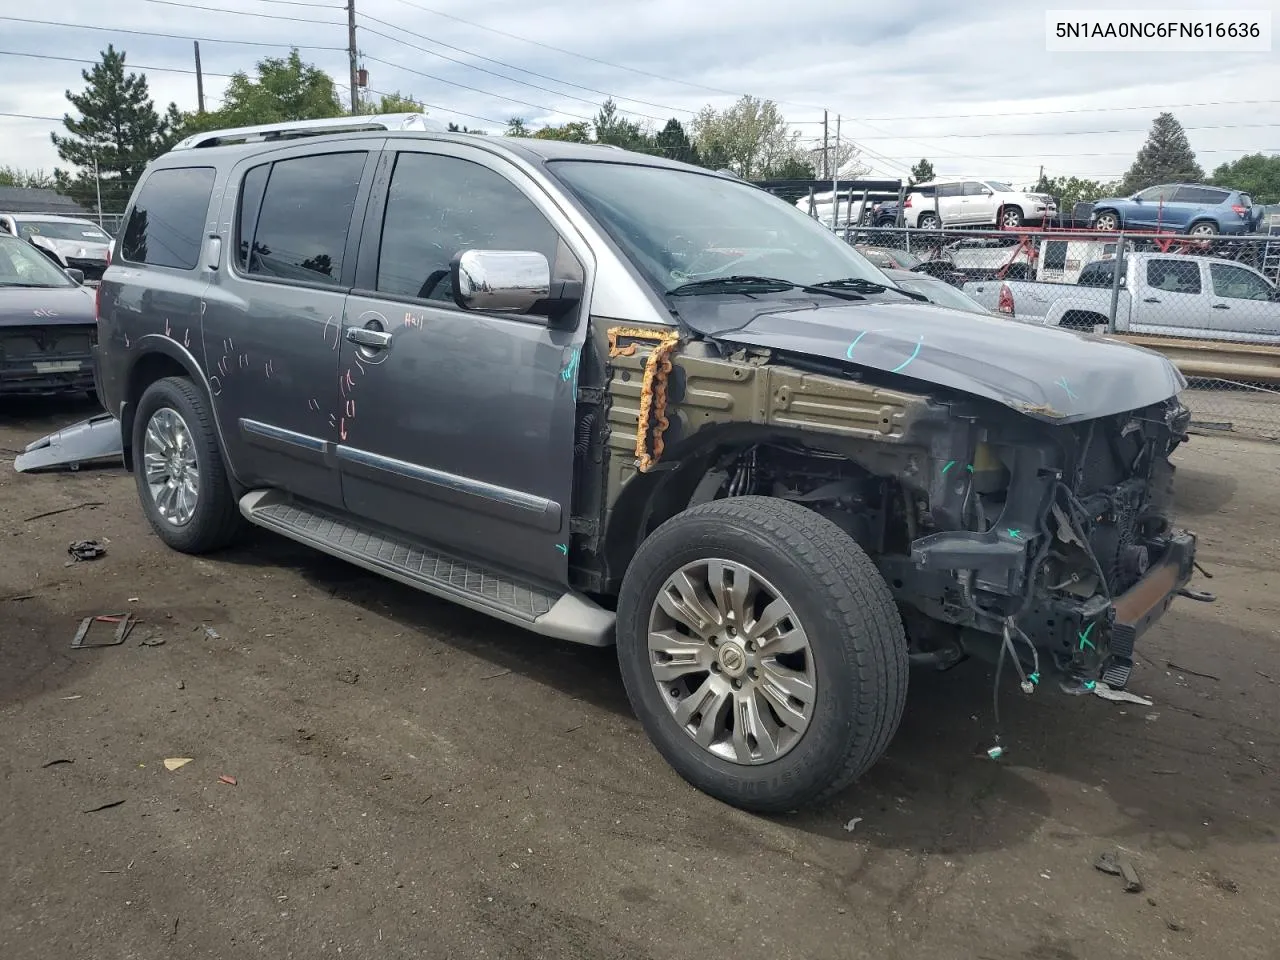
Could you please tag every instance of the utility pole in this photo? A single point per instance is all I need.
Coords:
(351, 55)
(824, 144)
(835, 179)
(199, 80)
(97, 180)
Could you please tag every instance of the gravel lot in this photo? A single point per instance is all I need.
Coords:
(413, 780)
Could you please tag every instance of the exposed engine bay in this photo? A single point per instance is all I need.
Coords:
(1048, 540)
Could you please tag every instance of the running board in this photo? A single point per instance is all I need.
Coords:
(548, 612)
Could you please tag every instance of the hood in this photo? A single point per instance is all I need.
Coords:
(1046, 373)
(46, 306)
(78, 249)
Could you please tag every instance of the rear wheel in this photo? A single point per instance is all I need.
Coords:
(1205, 228)
(929, 221)
(762, 651)
(182, 482)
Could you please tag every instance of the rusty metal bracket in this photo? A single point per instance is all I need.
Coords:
(125, 621)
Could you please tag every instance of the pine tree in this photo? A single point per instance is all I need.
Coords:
(922, 172)
(118, 126)
(674, 144)
(1166, 157)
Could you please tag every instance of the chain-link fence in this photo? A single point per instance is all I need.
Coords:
(1209, 302)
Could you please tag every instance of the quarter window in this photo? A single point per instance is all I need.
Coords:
(305, 216)
(439, 206)
(167, 223)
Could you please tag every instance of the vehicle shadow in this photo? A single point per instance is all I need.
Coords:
(936, 791)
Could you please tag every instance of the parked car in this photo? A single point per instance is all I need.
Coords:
(1161, 294)
(989, 257)
(1186, 208)
(47, 324)
(612, 398)
(937, 291)
(889, 257)
(885, 213)
(970, 202)
(69, 242)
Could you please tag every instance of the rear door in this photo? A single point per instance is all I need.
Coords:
(459, 428)
(950, 203)
(274, 310)
(1171, 299)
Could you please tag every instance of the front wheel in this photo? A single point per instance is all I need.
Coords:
(762, 651)
(1010, 217)
(182, 481)
(1107, 221)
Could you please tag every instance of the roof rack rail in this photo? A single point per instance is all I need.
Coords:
(309, 128)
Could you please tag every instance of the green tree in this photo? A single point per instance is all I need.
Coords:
(454, 128)
(674, 144)
(284, 89)
(613, 129)
(576, 132)
(118, 127)
(516, 127)
(751, 137)
(1256, 174)
(922, 172)
(1073, 190)
(31, 179)
(1166, 157)
(392, 103)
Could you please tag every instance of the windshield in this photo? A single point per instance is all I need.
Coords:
(943, 294)
(61, 230)
(999, 187)
(678, 227)
(22, 265)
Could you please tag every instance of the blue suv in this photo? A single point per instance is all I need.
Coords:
(1187, 208)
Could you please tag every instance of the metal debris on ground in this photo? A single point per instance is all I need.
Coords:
(125, 621)
(151, 642)
(87, 549)
(1119, 866)
(212, 634)
(230, 781)
(54, 763)
(54, 513)
(104, 806)
(852, 824)
(1195, 673)
(1106, 692)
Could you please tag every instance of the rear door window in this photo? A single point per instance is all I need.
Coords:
(304, 217)
(950, 190)
(974, 189)
(1174, 276)
(167, 223)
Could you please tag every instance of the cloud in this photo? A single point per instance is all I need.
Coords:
(968, 86)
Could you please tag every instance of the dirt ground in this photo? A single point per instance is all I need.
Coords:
(413, 780)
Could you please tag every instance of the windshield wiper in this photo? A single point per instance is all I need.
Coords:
(752, 284)
(867, 286)
(29, 286)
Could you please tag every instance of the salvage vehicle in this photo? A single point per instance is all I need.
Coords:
(956, 202)
(47, 325)
(69, 242)
(1194, 209)
(613, 398)
(1166, 295)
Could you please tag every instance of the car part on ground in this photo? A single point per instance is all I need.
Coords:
(765, 437)
(95, 440)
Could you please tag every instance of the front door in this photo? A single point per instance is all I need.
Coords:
(979, 203)
(457, 426)
(1243, 306)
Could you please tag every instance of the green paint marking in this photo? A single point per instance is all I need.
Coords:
(1034, 678)
(1084, 638)
(969, 468)
(1016, 534)
(1090, 684)
(949, 465)
(562, 548)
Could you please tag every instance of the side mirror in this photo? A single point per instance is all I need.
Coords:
(988, 193)
(76, 275)
(509, 281)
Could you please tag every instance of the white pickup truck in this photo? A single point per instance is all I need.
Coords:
(1160, 294)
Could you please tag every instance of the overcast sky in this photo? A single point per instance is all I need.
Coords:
(969, 86)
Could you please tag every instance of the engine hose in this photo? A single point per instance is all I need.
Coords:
(582, 442)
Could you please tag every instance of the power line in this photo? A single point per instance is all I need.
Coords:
(448, 110)
(134, 66)
(1066, 133)
(571, 53)
(487, 93)
(1047, 113)
(303, 3)
(168, 36)
(532, 73)
(31, 116)
(246, 13)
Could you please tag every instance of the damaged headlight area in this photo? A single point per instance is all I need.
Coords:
(1060, 536)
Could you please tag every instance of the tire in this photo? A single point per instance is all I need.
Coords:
(929, 221)
(1011, 217)
(1205, 228)
(856, 656)
(215, 520)
(1107, 221)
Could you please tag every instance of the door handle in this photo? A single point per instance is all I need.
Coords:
(366, 337)
(1151, 300)
(1221, 306)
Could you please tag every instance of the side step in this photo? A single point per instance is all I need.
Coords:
(565, 616)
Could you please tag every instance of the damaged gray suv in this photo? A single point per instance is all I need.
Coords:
(615, 399)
